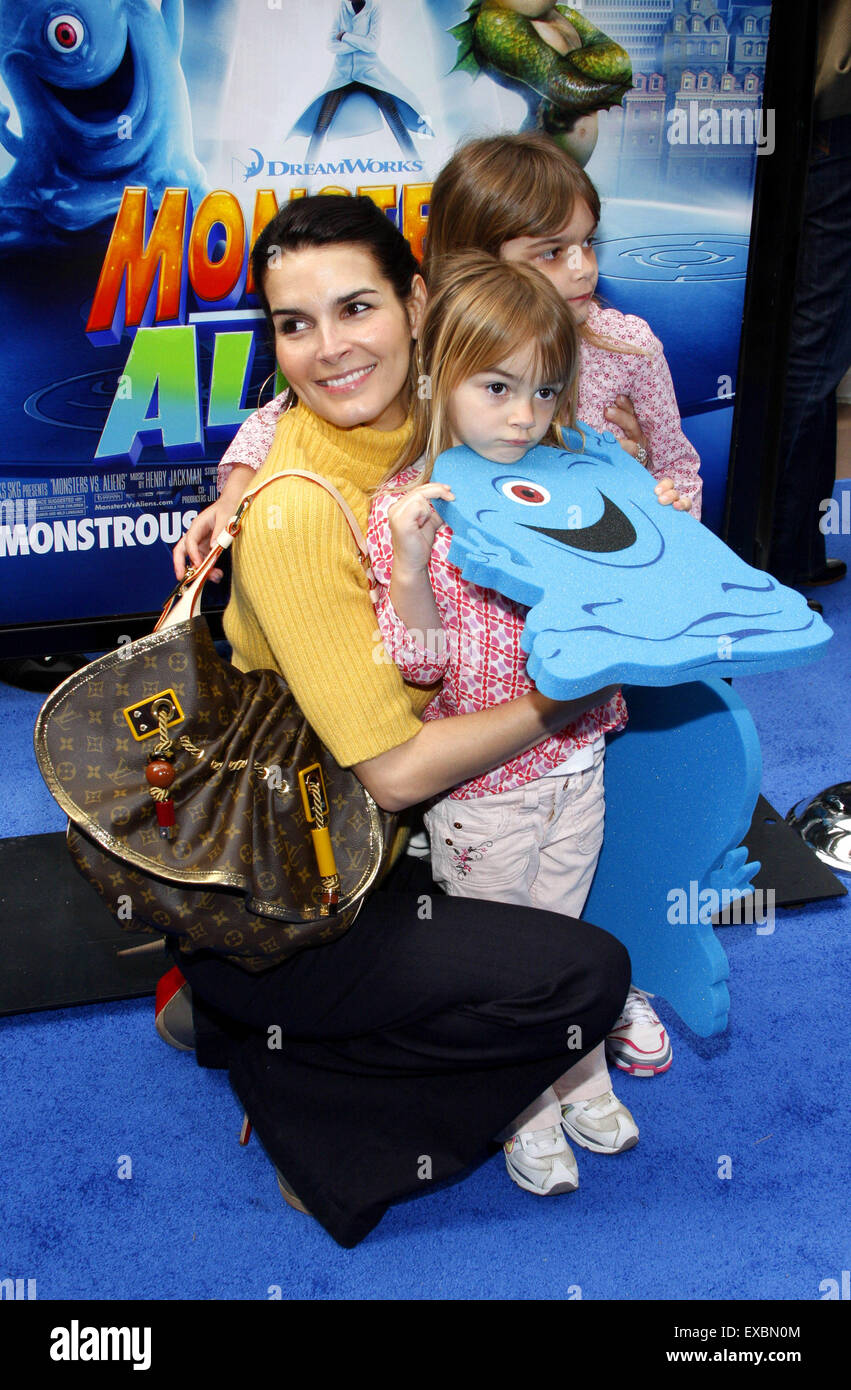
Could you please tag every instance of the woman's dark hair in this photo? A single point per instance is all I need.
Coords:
(329, 219)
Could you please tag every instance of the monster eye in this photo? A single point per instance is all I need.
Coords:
(65, 33)
(527, 494)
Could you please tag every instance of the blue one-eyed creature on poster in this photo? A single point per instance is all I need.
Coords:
(618, 588)
(622, 590)
(102, 103)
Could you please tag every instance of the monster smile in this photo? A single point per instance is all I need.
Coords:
(94, 110)
(106, 100)
(613, 531)
(612, 537)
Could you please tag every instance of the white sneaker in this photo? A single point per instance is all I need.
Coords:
(601, 1124)
(638, 1043)
(541, 1161)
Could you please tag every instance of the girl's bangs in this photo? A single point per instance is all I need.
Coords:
(511, 329)
(547, 201)
(534, 188)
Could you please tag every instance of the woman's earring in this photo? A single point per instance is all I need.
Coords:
(270, 377)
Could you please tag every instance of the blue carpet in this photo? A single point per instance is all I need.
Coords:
(85, 1089)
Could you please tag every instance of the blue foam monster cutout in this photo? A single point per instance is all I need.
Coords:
(102, 102)
(619, 588)
(682, 782)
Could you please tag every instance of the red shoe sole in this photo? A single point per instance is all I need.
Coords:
(640, 1069)
(168, 988)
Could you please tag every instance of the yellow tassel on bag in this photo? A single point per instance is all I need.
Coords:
(315, 801)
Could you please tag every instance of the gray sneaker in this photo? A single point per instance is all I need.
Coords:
(601, 1124)
(541, 1161)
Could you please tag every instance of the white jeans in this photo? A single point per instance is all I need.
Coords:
(537, 846)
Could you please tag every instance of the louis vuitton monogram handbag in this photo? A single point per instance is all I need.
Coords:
(201, 804)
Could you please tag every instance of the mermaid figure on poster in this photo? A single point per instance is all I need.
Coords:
(360, 89)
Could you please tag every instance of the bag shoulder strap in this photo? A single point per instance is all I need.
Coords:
(184, 599)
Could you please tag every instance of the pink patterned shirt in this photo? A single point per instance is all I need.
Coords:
(646, 379)
(603, 375)
(483, 663)
(253, 439)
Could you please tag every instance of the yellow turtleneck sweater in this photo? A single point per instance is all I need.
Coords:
(299, 598)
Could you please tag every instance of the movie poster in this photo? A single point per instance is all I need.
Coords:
(144, 143)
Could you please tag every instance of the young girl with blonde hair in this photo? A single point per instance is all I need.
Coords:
(498, 354)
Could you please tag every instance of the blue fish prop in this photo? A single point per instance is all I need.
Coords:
(619, 589)
(682, 782)
(102, 102)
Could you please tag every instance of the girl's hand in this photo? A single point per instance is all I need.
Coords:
(622, 414)
(667, 495)
(197, 542)
(413, 526)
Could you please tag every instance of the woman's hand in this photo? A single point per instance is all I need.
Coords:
(667, 495)
(197, 543)
(622, 414)
(413, 526)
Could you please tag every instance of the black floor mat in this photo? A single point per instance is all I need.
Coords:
(59, 943)
(789, 866)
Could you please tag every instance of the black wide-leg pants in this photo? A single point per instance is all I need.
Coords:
(373, 1067)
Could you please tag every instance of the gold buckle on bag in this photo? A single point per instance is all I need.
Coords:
(144, 716)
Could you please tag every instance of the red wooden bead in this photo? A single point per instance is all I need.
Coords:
(165, 812)
(160, 773)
